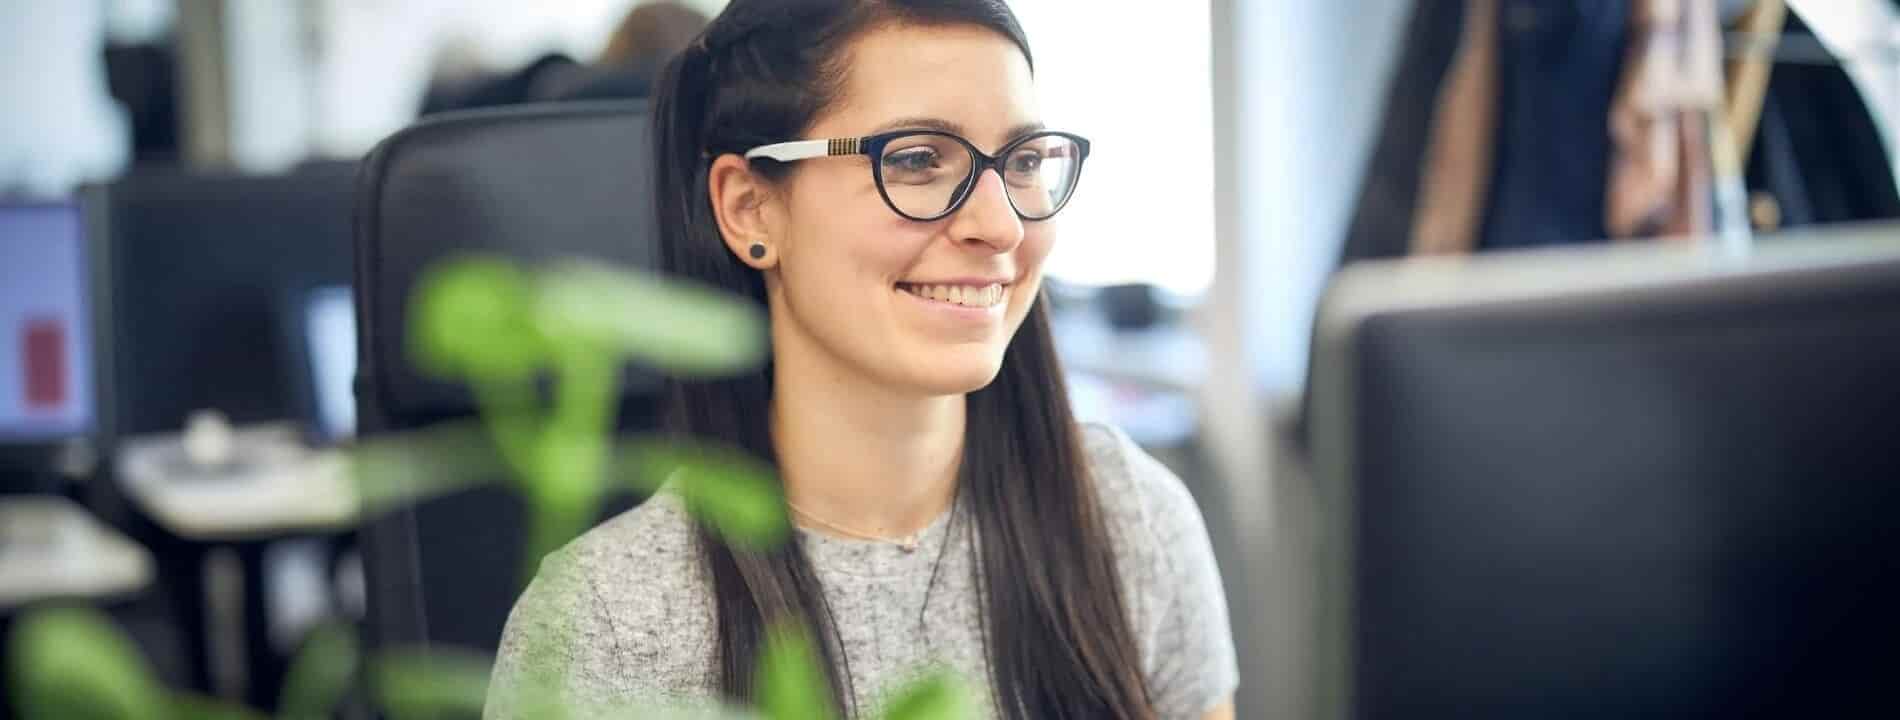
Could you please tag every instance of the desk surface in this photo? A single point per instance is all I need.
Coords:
(283, 488)
(52, 548)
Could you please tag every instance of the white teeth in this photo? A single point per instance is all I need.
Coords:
(968, 296)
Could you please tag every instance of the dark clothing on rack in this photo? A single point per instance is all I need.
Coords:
(1818, 152)
(1558, 65)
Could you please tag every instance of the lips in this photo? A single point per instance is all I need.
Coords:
(975, 296)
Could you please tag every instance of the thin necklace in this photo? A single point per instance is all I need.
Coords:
(908, 542)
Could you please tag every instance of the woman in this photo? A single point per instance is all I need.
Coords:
(875, 174)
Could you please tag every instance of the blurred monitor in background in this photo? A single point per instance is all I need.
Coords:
(1611, 483)
(45, 330)
(201, 265)
(323, 349)
(46, 345)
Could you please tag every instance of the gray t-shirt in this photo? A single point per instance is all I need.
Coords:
(628, 616)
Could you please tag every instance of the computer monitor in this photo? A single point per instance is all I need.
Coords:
(1611, 482)
(46, 389)
(200, 265)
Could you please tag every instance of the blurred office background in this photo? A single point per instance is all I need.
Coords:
(180, 179)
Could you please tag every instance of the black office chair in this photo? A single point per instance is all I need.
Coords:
(535, 183)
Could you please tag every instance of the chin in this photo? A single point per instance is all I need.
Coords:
(957, 373)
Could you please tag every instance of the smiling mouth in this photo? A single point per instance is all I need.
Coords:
(975, 296)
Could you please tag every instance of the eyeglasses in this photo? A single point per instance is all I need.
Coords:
(926, 175)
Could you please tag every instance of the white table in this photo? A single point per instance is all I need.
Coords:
(279, 487)
(51, 548)
(274, 488)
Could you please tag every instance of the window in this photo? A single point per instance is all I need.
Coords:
(1135, 78)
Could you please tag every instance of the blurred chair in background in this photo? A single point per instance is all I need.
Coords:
(532, 184)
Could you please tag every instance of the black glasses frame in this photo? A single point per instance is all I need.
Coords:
(873, 147)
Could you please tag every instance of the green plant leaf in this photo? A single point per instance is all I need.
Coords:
(941, 695)
(73, 663)
(400, 470)
(735, 494)
(569, 468)
(185, 706)
(412, 684)
(679, 327)
(471, 318)
(791, 683)
(320, 674)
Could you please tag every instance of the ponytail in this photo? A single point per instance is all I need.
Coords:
(751, 590)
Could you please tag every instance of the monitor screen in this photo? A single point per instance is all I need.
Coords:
(329, 329)
(1612, 482)
(45, 334)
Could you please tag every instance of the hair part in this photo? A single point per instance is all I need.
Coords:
(1056, 620)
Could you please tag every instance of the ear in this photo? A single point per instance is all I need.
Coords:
(739, 202)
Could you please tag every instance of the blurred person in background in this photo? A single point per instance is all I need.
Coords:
(649, 35)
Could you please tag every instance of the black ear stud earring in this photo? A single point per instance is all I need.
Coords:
(758, 251)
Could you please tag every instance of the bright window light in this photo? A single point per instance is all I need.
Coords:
(1136, 79)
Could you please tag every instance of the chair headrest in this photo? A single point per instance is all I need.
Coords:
(535, 183)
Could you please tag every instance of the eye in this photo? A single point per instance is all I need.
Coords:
(1025, 162)
(915, 159)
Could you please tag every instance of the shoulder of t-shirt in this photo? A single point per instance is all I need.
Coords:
(656, 535)
(1146, 504)
(642, 571)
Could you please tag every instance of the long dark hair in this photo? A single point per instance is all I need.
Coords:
(1059, 639)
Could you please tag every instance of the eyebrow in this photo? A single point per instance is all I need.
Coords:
(942, 125)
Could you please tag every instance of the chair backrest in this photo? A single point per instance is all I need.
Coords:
(533, 183)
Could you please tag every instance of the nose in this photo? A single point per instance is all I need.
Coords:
(987, 220)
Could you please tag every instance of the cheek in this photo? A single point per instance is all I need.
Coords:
(850, 236)
(1038, 240)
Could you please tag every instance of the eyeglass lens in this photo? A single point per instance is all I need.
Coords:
(924, 175)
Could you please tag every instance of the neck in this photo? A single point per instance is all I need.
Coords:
(872, 461)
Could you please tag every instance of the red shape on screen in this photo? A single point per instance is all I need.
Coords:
(44, 347)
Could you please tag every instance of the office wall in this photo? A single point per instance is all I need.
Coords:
(1298, 89)
(60, 125)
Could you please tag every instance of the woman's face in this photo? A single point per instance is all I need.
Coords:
(923, 307)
